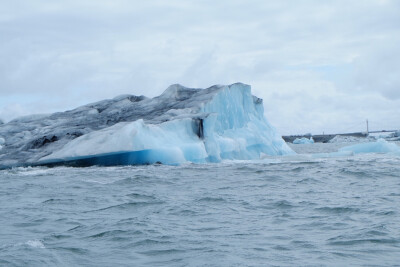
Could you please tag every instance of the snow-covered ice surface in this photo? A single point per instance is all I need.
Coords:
(181, 125)
(303, 140)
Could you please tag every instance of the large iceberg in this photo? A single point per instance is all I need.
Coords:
(181, 125)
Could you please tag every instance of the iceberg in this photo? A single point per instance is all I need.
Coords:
(395, 136)
(181, 125)
(351, 139)
(303, 140)
(380, 146)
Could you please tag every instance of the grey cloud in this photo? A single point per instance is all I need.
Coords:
(291, 52)
(379, 69)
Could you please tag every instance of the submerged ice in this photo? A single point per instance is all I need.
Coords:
(181, 125)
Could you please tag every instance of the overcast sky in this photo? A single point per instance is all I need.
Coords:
(320, 66)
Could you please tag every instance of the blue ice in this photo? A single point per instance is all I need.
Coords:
(380, 146)
(223, 122)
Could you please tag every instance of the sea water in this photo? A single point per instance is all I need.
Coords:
(280, 211)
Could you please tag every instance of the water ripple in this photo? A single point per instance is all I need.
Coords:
(286, 211)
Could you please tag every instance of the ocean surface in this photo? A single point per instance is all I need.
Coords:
(280, 211)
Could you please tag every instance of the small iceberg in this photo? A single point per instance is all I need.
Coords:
(380, 146)
(393, 136)
(303, 140)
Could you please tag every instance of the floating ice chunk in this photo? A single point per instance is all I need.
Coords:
(380, 146)
(303, 140)
(395, 136)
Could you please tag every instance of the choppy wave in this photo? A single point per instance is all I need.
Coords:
(287, 211)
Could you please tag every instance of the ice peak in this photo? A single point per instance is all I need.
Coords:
(178, 92)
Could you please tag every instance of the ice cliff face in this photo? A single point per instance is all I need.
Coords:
(180, 125)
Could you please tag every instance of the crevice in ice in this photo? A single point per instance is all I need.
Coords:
(199, 128)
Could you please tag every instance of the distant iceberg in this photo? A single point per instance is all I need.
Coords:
(395, 136)
(303, 140)
(350, 139)
(181, 125)
(380, 146)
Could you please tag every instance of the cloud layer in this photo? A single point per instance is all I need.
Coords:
(321, 66)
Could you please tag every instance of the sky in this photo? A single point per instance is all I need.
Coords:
(320, 66)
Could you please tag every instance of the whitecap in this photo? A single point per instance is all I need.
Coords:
(35, 243)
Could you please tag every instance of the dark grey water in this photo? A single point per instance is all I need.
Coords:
(291, 211)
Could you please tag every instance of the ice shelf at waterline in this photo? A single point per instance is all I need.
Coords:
(181, 125)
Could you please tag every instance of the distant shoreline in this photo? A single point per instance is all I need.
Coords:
(325, 138)
(322, 138)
